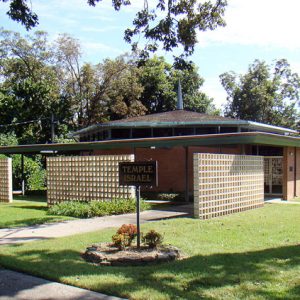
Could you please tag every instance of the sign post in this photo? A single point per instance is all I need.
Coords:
(138, 174)
(138, 209)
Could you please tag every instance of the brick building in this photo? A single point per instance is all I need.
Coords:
(172, 137)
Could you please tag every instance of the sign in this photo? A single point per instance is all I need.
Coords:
(142, 173)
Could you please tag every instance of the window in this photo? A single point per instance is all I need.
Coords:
(183, 131)
(228, 129)
(120, 133)
(206, 130)
(141, 133)
(161, 132)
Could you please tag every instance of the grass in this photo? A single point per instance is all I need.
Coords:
(26, 211)
(250, 255)
(297, 199)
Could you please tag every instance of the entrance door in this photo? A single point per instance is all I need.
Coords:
(273, 175)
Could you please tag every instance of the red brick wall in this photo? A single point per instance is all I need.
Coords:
(171, 163)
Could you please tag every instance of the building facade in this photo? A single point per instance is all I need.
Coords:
(171, 138)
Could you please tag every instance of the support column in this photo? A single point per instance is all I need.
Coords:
(288, 183)
(52, 129)
(186, 196)
(23, 175)
(297, 158)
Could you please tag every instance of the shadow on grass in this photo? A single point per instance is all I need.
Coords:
(30, 222)
(249, 273)
(33, 207)
(34, 198)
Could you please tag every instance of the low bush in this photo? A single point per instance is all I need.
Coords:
(152, 239)
(175, 197)
(74, 209)
(124, 236)
(120, 241)
(128, 229)
(79, 209)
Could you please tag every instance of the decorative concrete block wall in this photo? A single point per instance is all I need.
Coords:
(5, 180)
(225, 184)
(86, 178)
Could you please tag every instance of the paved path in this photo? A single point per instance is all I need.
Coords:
(18, 286)
(71, 227)
(280, 201)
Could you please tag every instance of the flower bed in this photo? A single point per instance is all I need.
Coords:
(106, 254)
(121, 252)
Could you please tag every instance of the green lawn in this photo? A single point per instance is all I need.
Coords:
(26, 211)
(297, 199)
(250, 255)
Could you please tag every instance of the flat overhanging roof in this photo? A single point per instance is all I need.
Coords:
(241, 123)
(181, 118)
(254, 138)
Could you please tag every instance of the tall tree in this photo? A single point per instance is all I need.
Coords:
(160, 81)
(267, 94)
(72, 76)
(119, 90)
(163, 23)
(29, 87)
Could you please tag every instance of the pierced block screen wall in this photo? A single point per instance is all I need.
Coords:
(86, 178)
(225, 184)
(5, 180)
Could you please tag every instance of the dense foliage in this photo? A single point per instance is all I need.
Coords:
(152, 239)
(34, 172)
(165, 24)
(91, 209)
(267, 94)
(160, 81)
(39, 79)
(124, 236)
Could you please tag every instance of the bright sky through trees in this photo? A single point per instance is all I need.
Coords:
(256, 29)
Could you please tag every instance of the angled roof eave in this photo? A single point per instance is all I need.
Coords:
(257, 125)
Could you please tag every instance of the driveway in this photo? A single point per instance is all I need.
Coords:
(71, 227)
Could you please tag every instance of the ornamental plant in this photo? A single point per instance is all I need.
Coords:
(152, 239)
(124, 236)
(119, 241)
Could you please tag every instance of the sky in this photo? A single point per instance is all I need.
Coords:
(256, 29)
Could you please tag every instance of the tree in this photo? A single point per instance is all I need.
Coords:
(96, 93)
(163, 23)
(35, 174)
(263, 94)
(160, 82)
(73, 77)
(118, 91)
(19, 11)
(29, 87)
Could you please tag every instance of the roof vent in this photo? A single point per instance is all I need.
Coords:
(179, 97)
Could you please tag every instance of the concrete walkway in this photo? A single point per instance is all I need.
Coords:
(19, 286)
(280, 201)
(71, 227)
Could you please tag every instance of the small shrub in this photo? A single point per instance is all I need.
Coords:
(74, 209)
(129, 230)
(124, 236)
(168, 196)
(91, 209)
(174, 197)
(152, 239)
(119, 240)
